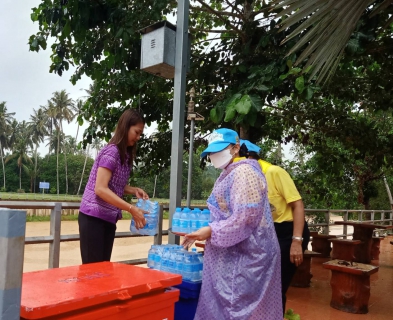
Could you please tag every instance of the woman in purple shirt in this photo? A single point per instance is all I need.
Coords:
(102, 200)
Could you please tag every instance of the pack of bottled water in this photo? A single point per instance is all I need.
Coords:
(187, 220)
(175, 259)
(151, 227)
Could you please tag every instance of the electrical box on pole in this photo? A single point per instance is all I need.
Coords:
(159, 48)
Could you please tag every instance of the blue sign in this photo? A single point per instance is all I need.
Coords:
(44, 185)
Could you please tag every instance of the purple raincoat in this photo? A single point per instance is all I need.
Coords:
(241, 272)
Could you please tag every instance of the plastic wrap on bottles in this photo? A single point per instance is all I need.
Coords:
(175, 259)
(151, 227)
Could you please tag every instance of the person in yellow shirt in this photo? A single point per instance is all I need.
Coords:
(288, 214)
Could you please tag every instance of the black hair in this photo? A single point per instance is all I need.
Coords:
(129, 118)
(243, 152)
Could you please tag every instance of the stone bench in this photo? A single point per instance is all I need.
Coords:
(303, 275)
(350, 285)
(321, 244)
(344, 249)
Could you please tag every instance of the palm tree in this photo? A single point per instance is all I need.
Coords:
(13, 134)
(21, 149)
(97, 145)
(83, 171)
(5, 122)
(330, 25)
(78, 106)
(55, 140)
(60, 108)
(70, 145)
(38, 130)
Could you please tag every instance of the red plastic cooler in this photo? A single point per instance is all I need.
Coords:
(104, 290)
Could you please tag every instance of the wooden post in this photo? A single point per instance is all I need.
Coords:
(54, 247)
(12, 248)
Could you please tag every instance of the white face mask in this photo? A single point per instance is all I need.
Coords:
(221, 159)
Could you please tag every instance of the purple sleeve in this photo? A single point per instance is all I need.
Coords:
(245, 198)
(108, 157)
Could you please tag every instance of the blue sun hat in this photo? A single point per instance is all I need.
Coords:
(219, 140)
(250, 146)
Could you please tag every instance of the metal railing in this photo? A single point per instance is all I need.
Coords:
(386, 218)
(55, 237)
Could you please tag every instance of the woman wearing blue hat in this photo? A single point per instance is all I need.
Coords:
(288, 214)
(241, 273)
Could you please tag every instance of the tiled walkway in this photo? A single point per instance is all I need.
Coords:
(314, 303)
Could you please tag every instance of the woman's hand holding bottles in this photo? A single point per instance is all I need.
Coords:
(138, 215)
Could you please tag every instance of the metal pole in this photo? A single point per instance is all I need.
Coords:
(178, 111)
(190, 163)
(12, 247)
(158, 236)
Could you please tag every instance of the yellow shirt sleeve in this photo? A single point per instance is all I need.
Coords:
(281, 192)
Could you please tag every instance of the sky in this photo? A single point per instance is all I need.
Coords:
(25, 81)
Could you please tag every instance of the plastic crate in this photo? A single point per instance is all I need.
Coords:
(186, 307)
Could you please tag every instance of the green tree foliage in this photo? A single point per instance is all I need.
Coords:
(75, 164)
(234, 77)
(20, 150)
(243, 77)
(38, 130)
(5, 127)
(327, 28)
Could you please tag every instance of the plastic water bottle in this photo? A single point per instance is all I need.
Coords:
(172, 261)
(151, 224)
(187, 266)
(195, 266)
(151, 256)
(151, 227)
(179, 258)
(200, 258)
(198, 220)
(204, 218)
(176, 220)
(165, 259)
(158, 257)
(194, 219)
(185, 221)
(133, 229)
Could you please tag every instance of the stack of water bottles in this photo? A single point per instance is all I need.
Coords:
(151, 227)
(175, 259)
(187, 220)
